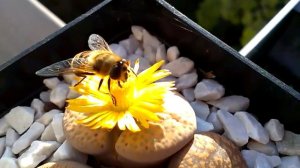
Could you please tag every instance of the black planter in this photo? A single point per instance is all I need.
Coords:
(112, 19)
(277, 46)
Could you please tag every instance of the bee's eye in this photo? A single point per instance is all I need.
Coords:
(124, 68)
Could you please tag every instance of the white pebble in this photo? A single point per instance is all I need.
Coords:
(119, 50)
(139, 52)
(2, 145)
(47, 117)
(275, 129)
(70, 78)
(150, 40)
(57, 125)
(48, 134)
(34, 132)
(290, 162)
(67, 152)
(268, 149)
(59, 94)
(213, 109)
(45, 96)
(150, 54)
(201, 109)
(203, 126)
(209, 89)
(3, 126)
(7, 162)
(37, 152)
(51, 83)
(262, 162)
(143, 62)
(11, 137)
(290, 144)
(168, 79)
(187, 81)
(20, 118)
(254, 129)
(230, 124)
(137, 32)
(180, 66)
(213, 118)
(251, 155)
(188, 94)
(38, 106)
(72, 94)
(231, 103)
(161, 53)
(173, 53)
(130, 44)
(8, 153)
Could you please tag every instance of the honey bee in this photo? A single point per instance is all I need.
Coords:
(100, 61)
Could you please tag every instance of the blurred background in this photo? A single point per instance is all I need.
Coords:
(233, 21)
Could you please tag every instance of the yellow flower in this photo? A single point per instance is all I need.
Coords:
(138, 101)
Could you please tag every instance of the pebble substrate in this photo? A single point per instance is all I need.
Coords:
(31, 135)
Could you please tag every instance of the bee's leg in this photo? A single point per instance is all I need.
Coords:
(119, 83)
(100, 83)
(80, 80)
(112, 96)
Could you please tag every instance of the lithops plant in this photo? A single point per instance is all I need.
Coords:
(145, 125)
(208, 150)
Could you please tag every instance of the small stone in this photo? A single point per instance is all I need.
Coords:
(150, 54)
(8, 153)
(20, 118)
(209, 89)
(180, 66)
(137, 32)
(3, 126)
(187, 81)
(7, 162)
(168, 79)
(130, 44)
(70, 78)
(51, 83)
(231, 103)
(48, 116)
(275, 129)
(233, 127)
(11, 137)
(290, 144)
(268, 149)
(143, 62)
(33, 133)
(254, 129)
(173, 53)
(59, 94)
(251, 155)
(213, 109)
(72, 94)
(290, 162)
(188, 94)
(161, 53)
(38, 106)
(201, 109)
(139, 52)
(150, 40)
(213, 118)
(119, 50)
(48, 134)
(203, 126)
(37, 152)
(2, 145)
(57, 125)
(67, 152)
(262, 162)
(45, 96)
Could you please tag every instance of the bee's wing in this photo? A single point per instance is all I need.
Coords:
(77, 66)
(96, 42)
